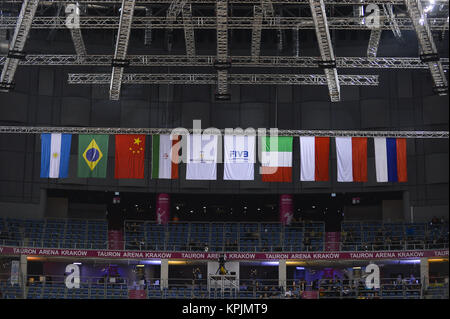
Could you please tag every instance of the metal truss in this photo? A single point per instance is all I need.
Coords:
(282, 23)
(189, 35)
(238, 61)
(239, 79)
(176, 8)
(123, 36)
(293, 2)
(374, 42)
(427, 46)
(153, 131)
(256, 32)
(326, 48)
(222, 64)
(17, 44)
(148, 31)
(389, 13)
(77, 39)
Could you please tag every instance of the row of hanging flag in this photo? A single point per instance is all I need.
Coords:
(201, 157)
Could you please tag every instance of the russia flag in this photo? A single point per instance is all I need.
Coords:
(390, 159)
(55, 155)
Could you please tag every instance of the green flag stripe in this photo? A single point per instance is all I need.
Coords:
(155, 156)
(284, 144)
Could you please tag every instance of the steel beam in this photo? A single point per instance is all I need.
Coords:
(153, 131)
(428, 49)
(77, 37)
(123, 36)
(222, 64)
(284, 23)
(210, 78)
(326, 48)
(238, 61)
(17, 44)
(292, 2)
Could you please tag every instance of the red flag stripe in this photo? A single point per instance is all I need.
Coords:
(402, 170)
(322, 146)
(276, 174)
(359, 159)
(175, 156)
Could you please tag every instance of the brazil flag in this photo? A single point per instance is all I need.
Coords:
(92, 155)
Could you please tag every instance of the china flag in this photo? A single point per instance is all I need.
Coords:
(130, 156)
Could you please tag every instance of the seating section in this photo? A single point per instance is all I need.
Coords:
(58, 290)
(393, 236)
(217, 237)
(54, 233)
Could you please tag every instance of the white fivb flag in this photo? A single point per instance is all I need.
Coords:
(239, 157)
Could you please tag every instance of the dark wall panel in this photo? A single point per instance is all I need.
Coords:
(403, 100)
(75, 111)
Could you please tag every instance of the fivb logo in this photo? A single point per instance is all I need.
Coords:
(73, 16)
(239, 155)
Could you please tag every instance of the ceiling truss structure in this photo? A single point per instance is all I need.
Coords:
(284, 23)
(179, 15)
(238, 61)
(120, 55)
(293, 2)
(222, 63)
(428, 49)
(76, 35)
(328, 62)
(22, 28)
(153, 131)
(238, 79)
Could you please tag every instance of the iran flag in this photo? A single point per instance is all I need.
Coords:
(351, 159)
(314, 156)
(276, 159)
(165, 156)
(390, 159)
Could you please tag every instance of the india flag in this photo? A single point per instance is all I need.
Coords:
(165, 156)
(276, 158)
(390, 159)
(351, 159)
(55, 155)
(314, 157)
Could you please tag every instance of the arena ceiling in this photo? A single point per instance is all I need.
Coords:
(284, 23)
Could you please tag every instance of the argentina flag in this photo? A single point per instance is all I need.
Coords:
(55, 154)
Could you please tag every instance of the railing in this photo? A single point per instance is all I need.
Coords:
(390, 288)
(246, 237)
(148, 246)
(44, 287)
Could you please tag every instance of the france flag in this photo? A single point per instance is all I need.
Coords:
(390, 159)
(55, 155)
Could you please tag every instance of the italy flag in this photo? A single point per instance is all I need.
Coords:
(55, 155)
(276, 159)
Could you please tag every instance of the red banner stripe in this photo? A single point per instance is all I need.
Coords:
(322, 146)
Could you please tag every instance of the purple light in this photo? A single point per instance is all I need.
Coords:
(411, 261)
(300, 268)
(270, 263)
(150, 262)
